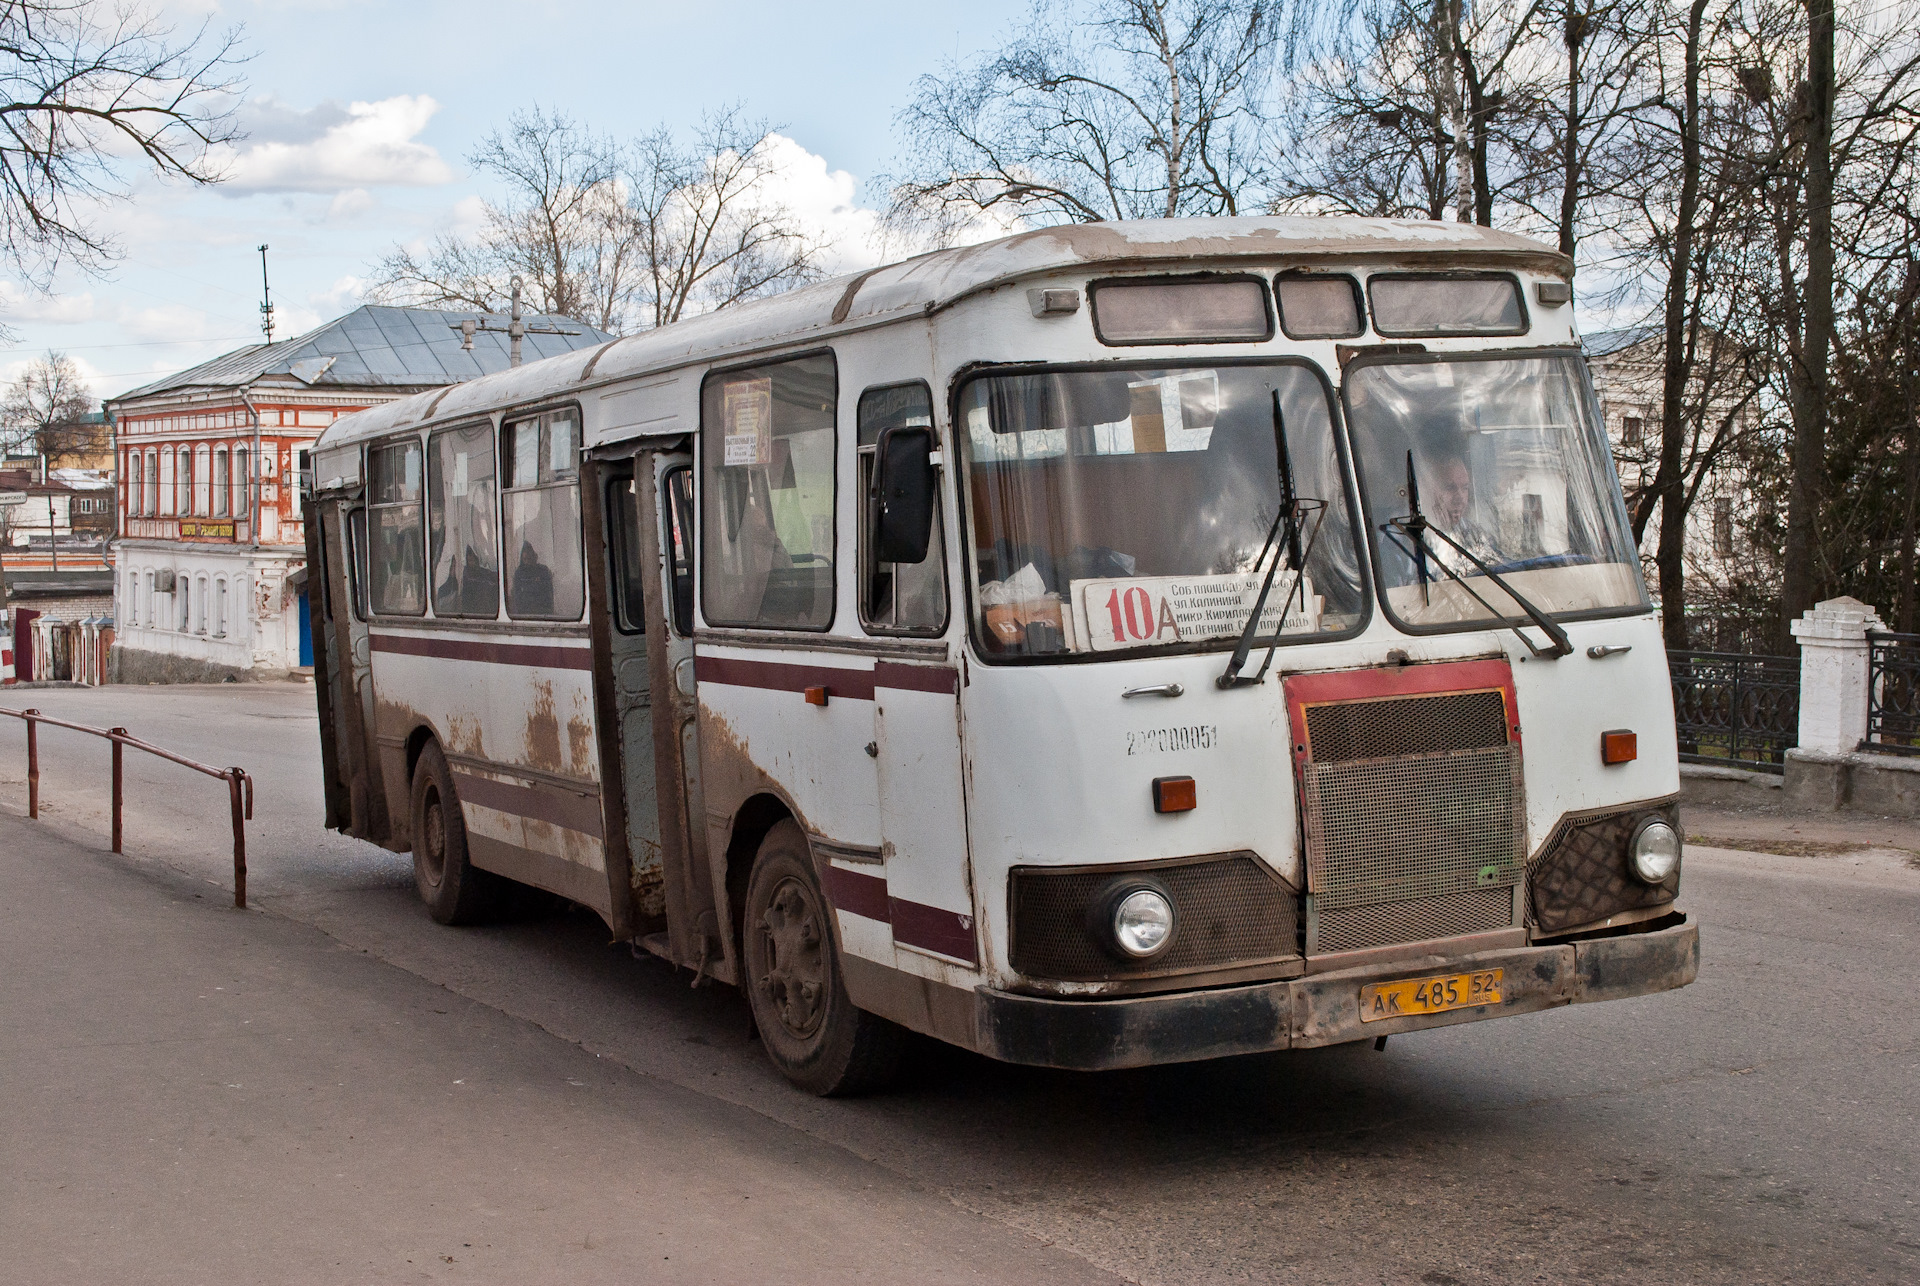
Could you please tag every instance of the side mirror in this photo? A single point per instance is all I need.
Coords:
(903, 494)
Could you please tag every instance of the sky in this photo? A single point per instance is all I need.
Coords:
(361, 114)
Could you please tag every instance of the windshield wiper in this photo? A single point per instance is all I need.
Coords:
(1289, 518)
(1415, 527)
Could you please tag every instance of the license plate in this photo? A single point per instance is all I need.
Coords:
(1415, 996)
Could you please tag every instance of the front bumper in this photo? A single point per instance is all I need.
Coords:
(1320, 1009)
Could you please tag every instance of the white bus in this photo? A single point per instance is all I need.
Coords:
(1110, 645)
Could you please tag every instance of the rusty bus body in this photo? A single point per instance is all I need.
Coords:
(613, 625)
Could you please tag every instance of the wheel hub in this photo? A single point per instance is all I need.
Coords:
(793, 934)
(433, 844)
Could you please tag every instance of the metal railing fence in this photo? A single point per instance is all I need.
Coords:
(1893, 694)
(1734, 709)
(239, 784)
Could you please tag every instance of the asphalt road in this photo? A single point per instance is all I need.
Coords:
(1759, 1126)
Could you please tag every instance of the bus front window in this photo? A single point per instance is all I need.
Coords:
(1127, 509)
(1507, 459)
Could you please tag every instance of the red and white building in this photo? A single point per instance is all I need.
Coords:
(209, 570)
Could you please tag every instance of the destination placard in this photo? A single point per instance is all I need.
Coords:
(1146, 611)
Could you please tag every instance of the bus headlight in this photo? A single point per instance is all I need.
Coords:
(1141, 921)
(1654, 851)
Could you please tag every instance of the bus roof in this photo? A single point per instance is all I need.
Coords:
(930, 282)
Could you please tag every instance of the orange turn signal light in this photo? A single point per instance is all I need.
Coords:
(1174, 795)
(817, 696)
(1620, 746)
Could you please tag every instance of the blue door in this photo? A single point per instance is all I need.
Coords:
(306, 632)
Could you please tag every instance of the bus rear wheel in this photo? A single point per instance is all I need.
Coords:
(810, 1029)
(455, 891)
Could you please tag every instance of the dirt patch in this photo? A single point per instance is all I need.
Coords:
(1784, 847)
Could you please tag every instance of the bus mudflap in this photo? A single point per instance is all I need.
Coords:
(1325, 1009)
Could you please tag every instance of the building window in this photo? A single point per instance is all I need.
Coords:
(220, 608)
(182, 602)
(202, 474)
(151, 506)
(222, 484)
(134, 485)
(242, 496)
(540, 514)
(134, 615)
(200, 606)
(1633, 430)
(1722, 527)
(183, 484)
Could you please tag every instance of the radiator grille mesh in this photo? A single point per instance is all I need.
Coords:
(1384, 923)
(1392, 830)
(1230, 911)
(1341, 731)
(1413, 818)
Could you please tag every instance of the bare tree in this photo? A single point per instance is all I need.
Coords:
(87, 91)
(1140, 109)
(707, 230)
(621, 236)
(45, 412)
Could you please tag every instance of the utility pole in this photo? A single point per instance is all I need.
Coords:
(515, 329)
(266, 298)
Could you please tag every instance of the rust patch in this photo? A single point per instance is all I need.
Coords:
(580, 746)
(464, 736)
(728, 774)
(543, 729)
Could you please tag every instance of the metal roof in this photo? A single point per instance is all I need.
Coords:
(377, 347)
(1608, 342)
(933, 281)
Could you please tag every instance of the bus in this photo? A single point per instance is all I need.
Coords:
(1116, 644)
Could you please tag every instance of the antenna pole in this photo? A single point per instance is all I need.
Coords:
(266, 298)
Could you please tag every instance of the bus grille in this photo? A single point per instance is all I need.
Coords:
(1414, 824)
(1231, 911)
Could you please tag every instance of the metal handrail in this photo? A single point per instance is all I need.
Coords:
(239, 784)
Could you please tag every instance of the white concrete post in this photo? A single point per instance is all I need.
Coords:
(1833, 674)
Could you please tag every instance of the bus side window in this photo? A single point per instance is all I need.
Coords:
(540, 510)
(460, 520)
(629, 577)
(679, 546)
(767, 495)
(397, 561)
(897, 598)
(357, 561)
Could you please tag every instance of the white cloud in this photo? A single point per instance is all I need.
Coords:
(826, 204)
(346, 294)
(349, 204)
(19, 305)
(331, 148)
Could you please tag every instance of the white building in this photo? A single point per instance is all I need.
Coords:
(210, 567)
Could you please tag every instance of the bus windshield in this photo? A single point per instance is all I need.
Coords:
(1125, 509)
(1508, 461)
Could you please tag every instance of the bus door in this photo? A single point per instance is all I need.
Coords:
(651, 542)
(350, 658)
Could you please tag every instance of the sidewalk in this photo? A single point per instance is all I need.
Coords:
(196, 1094)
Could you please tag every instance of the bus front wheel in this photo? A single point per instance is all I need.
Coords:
(455, 891)
(813, 1033)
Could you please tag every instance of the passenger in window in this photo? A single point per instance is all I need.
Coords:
(532, 592)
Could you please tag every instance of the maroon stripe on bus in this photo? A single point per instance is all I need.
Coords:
(780, 676)
(856, 892)
(544, 655)
(933, 929)
(541, 803)
(928, 927)
(943, 679)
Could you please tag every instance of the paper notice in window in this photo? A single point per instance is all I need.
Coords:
(1163, 610)
(746, 418)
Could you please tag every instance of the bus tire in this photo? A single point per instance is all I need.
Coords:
(455, 891)
(810, 1029)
